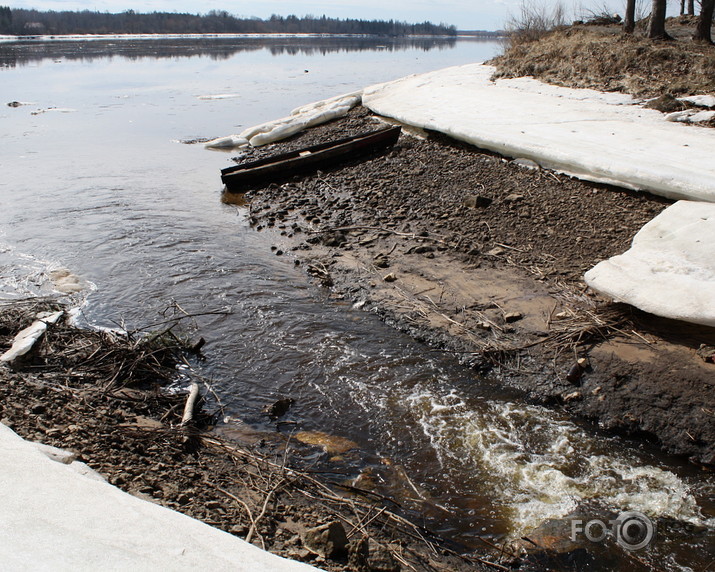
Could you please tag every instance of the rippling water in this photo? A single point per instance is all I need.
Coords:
(95, 179)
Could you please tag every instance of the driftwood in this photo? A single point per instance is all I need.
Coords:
(25, 340)
(190, 404)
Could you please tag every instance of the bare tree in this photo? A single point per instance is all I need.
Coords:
(656, 27)
(703, 30)
(690, 7)
(629, 22)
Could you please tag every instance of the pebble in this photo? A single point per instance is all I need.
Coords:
(572, 396)
(510, 317)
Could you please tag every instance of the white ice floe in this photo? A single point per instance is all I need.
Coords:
(227, 142)
(25, 340)
(63, 516)
(691, 116)
(299, 119)
(218, 96)
(670, 268)
(700, 100)
(596, 136)
(55, 109)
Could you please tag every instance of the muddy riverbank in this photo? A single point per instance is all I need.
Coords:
(475, 255)
(484, 257)
(103, 398)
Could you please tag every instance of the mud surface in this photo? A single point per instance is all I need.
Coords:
(484, 257)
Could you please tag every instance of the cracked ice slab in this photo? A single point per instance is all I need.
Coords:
(604, 137)
(669, 269)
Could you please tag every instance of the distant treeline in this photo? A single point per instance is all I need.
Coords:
(18, 22)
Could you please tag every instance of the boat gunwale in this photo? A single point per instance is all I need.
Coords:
(306, 157)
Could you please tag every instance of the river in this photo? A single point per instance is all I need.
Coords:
(98, 177)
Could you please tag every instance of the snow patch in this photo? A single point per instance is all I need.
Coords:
(669, 269)
(690, 116)
(299, 119)
(700, 100)
(63, 517)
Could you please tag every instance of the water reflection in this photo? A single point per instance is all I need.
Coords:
(18, 54)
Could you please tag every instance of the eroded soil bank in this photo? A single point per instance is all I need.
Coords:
(484, 257)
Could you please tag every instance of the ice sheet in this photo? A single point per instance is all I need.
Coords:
(58, 516)
(670, 268)
(597, 136)
(691, 116)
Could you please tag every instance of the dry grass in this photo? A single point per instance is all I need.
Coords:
(610, 61)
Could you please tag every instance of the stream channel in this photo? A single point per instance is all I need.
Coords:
(98, 178)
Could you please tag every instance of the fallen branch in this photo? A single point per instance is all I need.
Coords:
(320, 492)
(254, 524)
(190, 404)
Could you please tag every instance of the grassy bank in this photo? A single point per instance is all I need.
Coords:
(603, 58)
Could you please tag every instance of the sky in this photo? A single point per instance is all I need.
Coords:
(464, 14)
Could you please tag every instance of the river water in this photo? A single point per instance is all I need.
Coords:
(98, 178)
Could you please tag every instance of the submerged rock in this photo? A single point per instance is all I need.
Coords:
(278, 408)
(327, 540)
(332, 444)
(366, 555)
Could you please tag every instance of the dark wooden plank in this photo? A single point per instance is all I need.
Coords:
(240, 178)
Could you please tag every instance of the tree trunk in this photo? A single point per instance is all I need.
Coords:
(703, 31)
(691, 7)
(656, 27)
(682, 7)
(629, 22)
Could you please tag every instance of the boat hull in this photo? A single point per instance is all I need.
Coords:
(243, 177)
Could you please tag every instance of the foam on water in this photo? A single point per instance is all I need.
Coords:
(541, 466)
(22, 275)
(25, 276)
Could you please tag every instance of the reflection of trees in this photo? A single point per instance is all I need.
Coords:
(21, 53)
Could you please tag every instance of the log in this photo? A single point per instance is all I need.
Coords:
(25, 340)
(190, 404)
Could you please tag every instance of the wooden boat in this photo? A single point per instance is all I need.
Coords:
(241, 178)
